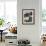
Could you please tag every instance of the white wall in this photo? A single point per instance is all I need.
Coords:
(31, 32)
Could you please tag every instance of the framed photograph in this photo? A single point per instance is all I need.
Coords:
(28, 16)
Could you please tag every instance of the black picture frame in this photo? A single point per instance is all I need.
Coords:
(28, 16)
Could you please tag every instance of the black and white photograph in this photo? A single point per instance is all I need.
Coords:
(28, 16)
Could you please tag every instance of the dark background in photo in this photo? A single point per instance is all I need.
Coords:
(30, 13)
(27, 14)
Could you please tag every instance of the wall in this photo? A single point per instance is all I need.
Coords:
(31, 32)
